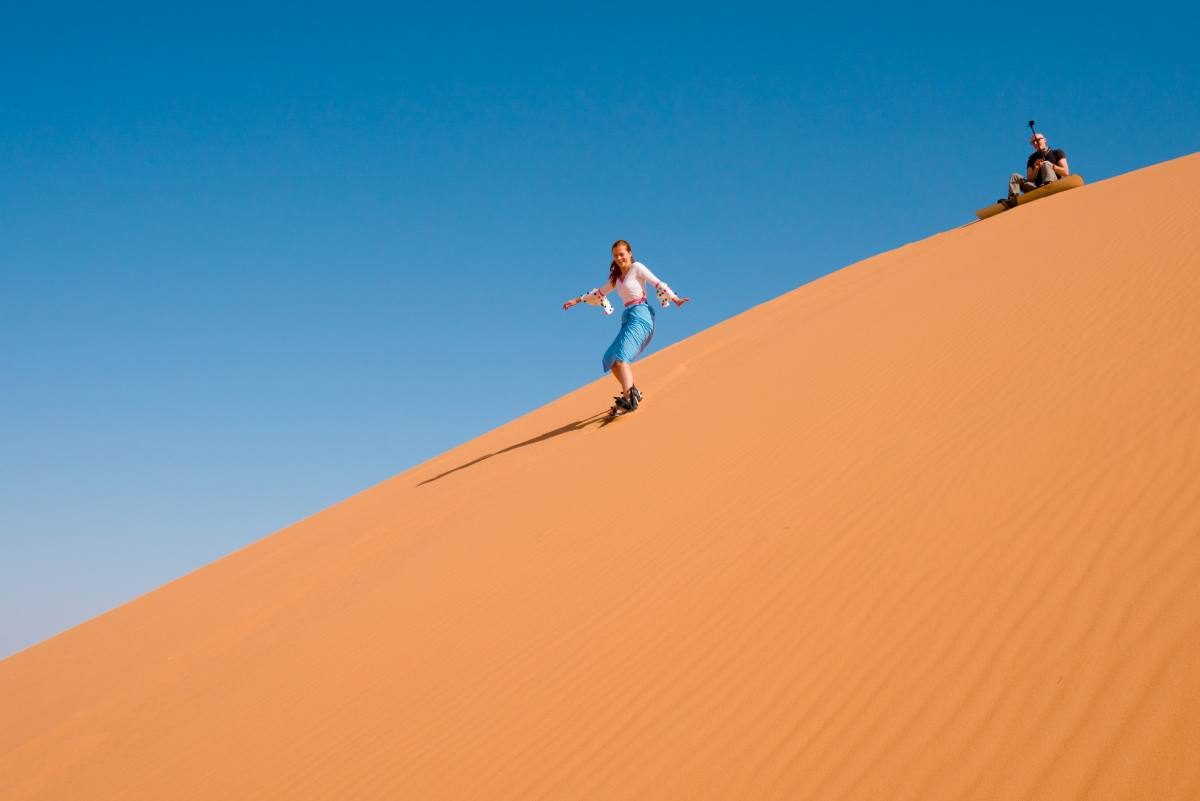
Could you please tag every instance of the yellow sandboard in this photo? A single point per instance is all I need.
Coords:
(1061, 185)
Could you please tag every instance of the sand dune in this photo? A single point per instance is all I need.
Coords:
(945, 544)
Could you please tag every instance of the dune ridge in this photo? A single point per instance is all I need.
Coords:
(926, 528)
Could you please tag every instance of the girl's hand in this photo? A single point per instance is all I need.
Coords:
(569, 304)
(681, 301)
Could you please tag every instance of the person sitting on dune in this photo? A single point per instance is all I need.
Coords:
(1043, 166)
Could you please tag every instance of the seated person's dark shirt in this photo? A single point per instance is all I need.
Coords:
(1054, 156)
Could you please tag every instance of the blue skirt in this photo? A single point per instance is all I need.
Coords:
(637, 328)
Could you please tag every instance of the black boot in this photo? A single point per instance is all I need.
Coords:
(633, 398)
(620, 406)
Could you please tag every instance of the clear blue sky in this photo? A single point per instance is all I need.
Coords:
(254, 261)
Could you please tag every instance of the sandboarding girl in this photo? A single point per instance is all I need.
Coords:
(628, 277)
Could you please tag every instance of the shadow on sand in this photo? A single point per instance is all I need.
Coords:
(602, 418)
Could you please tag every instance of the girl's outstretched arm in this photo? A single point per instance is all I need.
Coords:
(593, 297)
(665, 293)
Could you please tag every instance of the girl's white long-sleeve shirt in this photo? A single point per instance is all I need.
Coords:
(631, 286)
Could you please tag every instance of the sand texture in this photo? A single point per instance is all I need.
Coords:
(927, 528)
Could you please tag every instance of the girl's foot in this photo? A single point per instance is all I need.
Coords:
(626, 402)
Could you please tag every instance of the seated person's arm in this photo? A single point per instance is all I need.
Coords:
(1061, 167)
(1031, 172)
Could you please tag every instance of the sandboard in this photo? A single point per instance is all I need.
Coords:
(1072, 181)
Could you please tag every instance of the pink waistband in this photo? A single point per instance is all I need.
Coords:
(636, 302)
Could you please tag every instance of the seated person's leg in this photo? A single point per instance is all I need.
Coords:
(1015, 184)
(1047, 174)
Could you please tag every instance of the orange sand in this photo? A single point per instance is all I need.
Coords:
(947, 546)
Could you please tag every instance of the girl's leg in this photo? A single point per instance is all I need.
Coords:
(624, 375)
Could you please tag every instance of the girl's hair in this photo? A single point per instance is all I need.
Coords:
(614, 272)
